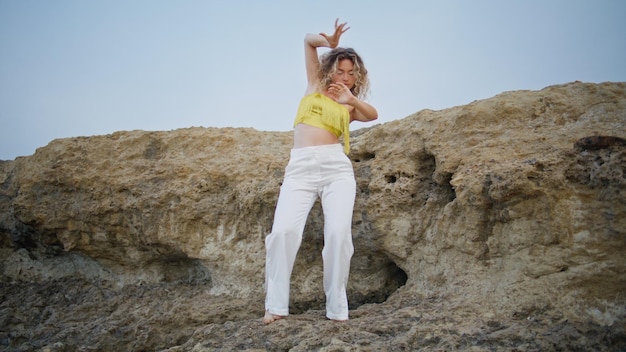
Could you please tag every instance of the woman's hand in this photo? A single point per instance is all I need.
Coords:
(359, 110)
(340, 93)
(333, 40)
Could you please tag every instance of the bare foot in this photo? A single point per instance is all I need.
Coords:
(270, 318)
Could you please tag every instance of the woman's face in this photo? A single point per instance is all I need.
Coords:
(345, 73)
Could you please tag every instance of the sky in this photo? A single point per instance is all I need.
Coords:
(73, 68)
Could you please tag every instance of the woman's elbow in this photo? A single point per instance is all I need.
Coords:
(368, 118)
(310, 38)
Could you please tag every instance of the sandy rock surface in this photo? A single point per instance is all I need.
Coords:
(495, 226)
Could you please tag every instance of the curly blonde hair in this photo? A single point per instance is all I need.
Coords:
(328, 66)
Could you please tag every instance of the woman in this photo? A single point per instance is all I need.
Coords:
(318, 167)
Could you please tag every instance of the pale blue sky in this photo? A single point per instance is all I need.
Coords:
(82, 68)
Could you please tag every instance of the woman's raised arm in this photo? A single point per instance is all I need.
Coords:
(311, 43)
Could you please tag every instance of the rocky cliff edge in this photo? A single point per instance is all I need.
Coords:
(500, 224)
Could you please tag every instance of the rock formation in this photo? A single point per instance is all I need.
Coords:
(500, 224)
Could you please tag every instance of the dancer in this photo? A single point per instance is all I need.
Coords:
(319, 167)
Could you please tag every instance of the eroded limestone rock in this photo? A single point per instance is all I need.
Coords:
(499, 208)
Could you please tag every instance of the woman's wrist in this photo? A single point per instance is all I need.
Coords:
(354, 102)
(316, 40)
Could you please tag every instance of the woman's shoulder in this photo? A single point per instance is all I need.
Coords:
(312, 89)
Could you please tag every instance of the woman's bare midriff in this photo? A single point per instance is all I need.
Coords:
(309, 136)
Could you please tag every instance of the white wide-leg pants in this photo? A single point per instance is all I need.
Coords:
(319, 171)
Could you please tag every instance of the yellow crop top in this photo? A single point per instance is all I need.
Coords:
(318, 110)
